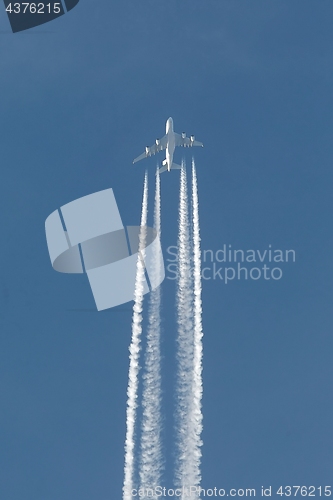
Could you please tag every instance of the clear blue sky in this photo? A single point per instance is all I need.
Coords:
(80, 98)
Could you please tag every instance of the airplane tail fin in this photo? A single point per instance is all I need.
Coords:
(175, 166)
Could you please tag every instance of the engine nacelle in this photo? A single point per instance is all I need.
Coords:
(158, 142)
(183, 135)
(192, 138)
(147, 150)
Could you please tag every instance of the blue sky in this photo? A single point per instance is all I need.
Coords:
(80, 98)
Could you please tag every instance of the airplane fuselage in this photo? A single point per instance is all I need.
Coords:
(171, 144)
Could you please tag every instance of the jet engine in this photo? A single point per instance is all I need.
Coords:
(158, 142)
(147, 150)
(183, 135)
(192, 138)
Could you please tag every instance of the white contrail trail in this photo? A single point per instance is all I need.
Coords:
(132, 388)
(151, 463)
(198, 333)
(185, 474)
(189, 390)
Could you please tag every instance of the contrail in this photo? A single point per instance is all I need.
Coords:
(132, 388)
(198, 334)
(189, 308)
(151, 462)
(185, 473)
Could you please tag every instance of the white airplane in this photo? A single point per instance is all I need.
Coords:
(169, 143)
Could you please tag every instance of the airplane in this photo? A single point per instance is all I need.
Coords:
(169, 143)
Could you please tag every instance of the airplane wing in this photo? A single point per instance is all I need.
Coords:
(187, 142)
(159, 145)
